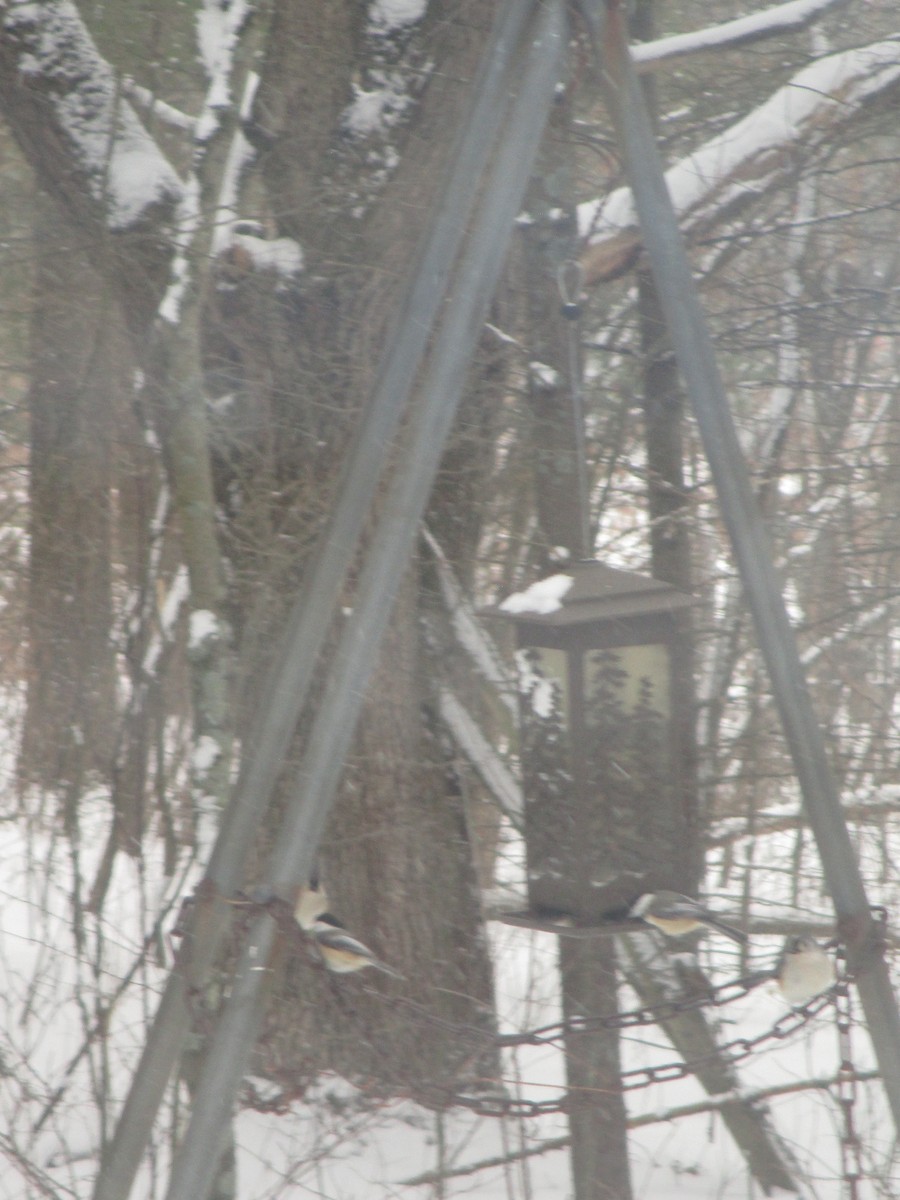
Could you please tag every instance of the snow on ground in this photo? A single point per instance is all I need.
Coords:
(333, 1146)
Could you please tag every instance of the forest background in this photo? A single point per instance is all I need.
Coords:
(209, 219)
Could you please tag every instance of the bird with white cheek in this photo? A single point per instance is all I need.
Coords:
(677, 915)
(310, 903)
(340, 951)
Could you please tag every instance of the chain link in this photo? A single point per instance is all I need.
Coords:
(728, 1054)
(491, 1103)
(649, 1014)
(845, 1092)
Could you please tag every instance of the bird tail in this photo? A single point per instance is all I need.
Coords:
(736, 935)
(376, 962)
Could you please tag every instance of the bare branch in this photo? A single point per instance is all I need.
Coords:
(709, 1104)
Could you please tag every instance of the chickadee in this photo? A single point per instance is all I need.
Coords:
(676, 915)
(340, 951)
(310, 903)
(804, 969)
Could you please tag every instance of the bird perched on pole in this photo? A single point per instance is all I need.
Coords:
(340, 951)
(804, 969)
(675, 915)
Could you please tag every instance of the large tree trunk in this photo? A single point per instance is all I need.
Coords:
(396, 858)
(297, 357)
(80, 374)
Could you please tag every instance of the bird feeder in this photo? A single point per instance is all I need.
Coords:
(600, 759)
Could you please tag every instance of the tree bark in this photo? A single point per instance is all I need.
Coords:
(79, 381)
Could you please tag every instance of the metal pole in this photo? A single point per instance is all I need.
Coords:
(474, 283)
(696, 359)
(312, 614)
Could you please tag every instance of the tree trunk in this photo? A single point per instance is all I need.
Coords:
(80, 375)
(396, 857)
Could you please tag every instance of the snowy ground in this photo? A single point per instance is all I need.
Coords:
(332, 1148)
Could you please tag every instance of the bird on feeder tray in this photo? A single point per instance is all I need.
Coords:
(676, 915)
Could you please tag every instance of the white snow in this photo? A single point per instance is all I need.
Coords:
(177, 596)
(203, 626)
(136, 174)
(386, 16)
(470, 633)
(59, 977)
(123, 166)
(335, 1141)
(180, 268)
(156, 107)
(282, 255)
(218, 28)
(542, 693)
(205, 755)
(717, 173)
(544, 376)
(784, 17)
(379, 108)
(240, 155)
(543, 597)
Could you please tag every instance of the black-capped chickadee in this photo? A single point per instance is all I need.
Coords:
(804, 969)
(310, 903)
(676, 915)
(340, 951)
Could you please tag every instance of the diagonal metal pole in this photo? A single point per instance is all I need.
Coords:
(696, 359)
(473, 284)
(288, 688)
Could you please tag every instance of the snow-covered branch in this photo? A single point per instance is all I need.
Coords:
(472, 638)
(66, 109)
(144, 98)
(758, 153)
(489, 764)
(784, 18)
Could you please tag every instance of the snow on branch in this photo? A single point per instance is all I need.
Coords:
(759, 152)
(65, 106)
(784, 18)
(486, 760)
(218, 30)
(475, 640)
(154, 107)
